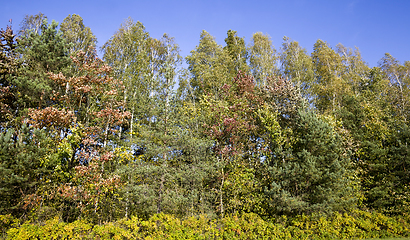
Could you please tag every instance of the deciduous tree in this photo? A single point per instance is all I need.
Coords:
(77, 34)
(209, 65)
(263, 58)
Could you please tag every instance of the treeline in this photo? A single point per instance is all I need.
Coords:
(245, 129)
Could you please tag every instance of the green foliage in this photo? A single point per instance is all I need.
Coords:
(398, 76)
(118, 141)
(131, 53)
(177, 162)
(329, 86)
(209, 66)
(8, 66)
(41, 52)
(235, 46)
(262, 58)
(162, 131)
(380, 147)
(297, 66)
(21, 168)
(76, 34)
(51, 229)
(314, 174)
(7, 222)
(32, 23)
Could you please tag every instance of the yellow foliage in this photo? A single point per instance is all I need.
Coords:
(356, 225)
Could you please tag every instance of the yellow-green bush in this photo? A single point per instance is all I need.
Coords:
(51, 229)
(7, 222)
(356, 225)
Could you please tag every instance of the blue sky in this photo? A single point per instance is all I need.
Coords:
(374, 26)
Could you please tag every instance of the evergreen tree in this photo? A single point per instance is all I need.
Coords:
(21, 166)
(171, 168)
(380, 144)
(171, 164)
(8, 67)
(397, 168)
(41, 53)
(314, 175)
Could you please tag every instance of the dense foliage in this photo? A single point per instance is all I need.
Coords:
(359, 225)
(247, 141)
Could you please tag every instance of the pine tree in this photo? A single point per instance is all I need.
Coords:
(311, 173)
(8, 67)
(170, 167)
(41, 53)
(21, 154)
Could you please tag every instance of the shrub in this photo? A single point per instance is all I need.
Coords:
(356, 225)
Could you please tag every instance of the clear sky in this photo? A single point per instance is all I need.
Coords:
(374, 26)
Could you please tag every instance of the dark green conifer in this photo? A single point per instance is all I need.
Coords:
(41, 53)
(21, 169)
(314, 174)
(8, 66)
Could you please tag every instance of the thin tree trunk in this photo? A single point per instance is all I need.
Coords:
(106, 132)
(221, 204)
(161, 188)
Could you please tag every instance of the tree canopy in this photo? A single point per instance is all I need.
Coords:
(244, 128)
